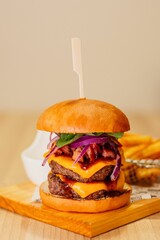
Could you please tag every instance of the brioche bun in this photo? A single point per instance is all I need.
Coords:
(83, 116)
(88, 206)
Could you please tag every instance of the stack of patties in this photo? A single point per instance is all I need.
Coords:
(85, 156)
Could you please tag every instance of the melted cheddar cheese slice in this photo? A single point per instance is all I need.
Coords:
(85, 189)
(68, 163)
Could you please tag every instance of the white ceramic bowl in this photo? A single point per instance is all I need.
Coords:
(32, 158)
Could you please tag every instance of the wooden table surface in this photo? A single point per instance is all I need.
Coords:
(17, 131)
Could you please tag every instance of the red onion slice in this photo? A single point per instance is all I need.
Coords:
(52, 140)
(48, 155)
(116, 169)
(50, 137)
(81, 154)
(86, 140)
(44, 162)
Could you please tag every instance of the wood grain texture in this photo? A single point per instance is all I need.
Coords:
(18, 198)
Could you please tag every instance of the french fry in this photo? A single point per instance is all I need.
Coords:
(136, 146)
(151, 150)
(130, 172)
(135, 139)
(132, 152)
(148, 175)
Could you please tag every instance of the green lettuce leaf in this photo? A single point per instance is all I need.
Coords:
(67, 138)
(116, 135)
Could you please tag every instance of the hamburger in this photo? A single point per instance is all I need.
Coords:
(85, 156)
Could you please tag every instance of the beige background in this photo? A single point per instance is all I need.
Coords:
(120, 52)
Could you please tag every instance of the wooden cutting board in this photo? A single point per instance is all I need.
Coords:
(18, 198)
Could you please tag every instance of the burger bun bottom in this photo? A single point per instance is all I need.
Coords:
(83, 205)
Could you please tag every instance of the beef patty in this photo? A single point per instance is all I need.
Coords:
(100, 175)
(60, 188)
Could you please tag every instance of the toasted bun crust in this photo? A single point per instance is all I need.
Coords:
(83, 116)
(90, 206)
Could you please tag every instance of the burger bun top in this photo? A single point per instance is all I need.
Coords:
(83, 116)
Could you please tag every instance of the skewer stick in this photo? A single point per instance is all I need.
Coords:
(77, 63)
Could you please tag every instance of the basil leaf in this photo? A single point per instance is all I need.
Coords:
(67, 138)
(116, 134)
